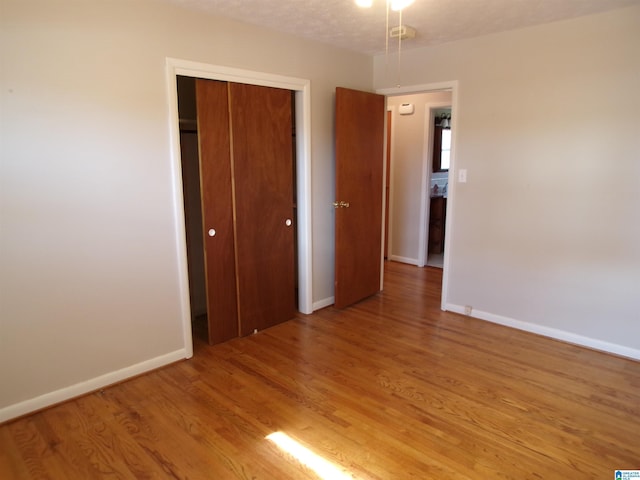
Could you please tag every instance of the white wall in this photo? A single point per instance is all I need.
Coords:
(89, 268)
(409, 146)
(546, 233)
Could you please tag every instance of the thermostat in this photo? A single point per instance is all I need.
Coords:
(406, 109)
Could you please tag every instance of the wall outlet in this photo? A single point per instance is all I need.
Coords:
(467, 309)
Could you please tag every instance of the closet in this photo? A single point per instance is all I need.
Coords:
(247, 203)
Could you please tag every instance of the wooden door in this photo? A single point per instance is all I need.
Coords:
(359, 166)
(261, 129)
(217, 212)
(387, 185)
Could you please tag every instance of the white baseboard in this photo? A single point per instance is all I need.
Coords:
(410, 261)
(323, 303)
(82, 388)
(555, 333)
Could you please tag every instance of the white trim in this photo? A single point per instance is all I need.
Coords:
(302, 87)
(230, 74)
(325, 302)
(451, 196)
(434, 87)
(82, 388)
(410, 261)
(550, 332)
(303, 181)
(178, 212)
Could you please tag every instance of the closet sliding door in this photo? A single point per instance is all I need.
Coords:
(246, 145)
(217, 209)
(261, 128)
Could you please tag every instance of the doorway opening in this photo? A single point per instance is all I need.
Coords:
(439, 153)
(412, 176)
(300, 91)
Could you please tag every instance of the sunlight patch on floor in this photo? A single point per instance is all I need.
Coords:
(322, 467)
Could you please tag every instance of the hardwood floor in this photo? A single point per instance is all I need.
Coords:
(392, 388)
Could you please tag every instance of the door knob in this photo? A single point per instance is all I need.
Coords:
(212, 232)
(340, 204)
(287, 222)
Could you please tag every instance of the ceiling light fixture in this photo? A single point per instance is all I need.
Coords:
(398, 5)
(395, 5)
(445, 121)
(401, 32)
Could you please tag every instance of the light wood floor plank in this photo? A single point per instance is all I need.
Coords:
(391, 388)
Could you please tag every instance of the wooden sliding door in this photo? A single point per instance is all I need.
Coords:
(217, 213)
(263, 176)
(246, 167)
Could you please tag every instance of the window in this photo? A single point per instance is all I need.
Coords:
(441, 149)
(445, 152)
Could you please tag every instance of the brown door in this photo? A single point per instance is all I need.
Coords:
(217, 212)
(387, 186)
(261, 127)
(359, 185)
(246, 175)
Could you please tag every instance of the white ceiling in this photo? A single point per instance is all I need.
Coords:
(343, 24)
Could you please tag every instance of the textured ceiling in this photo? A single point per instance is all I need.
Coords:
(343, 24)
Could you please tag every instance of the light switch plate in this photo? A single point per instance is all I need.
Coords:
(462, 175)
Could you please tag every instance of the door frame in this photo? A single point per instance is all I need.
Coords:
(451, 190)
(302, 89)
(387, 230)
